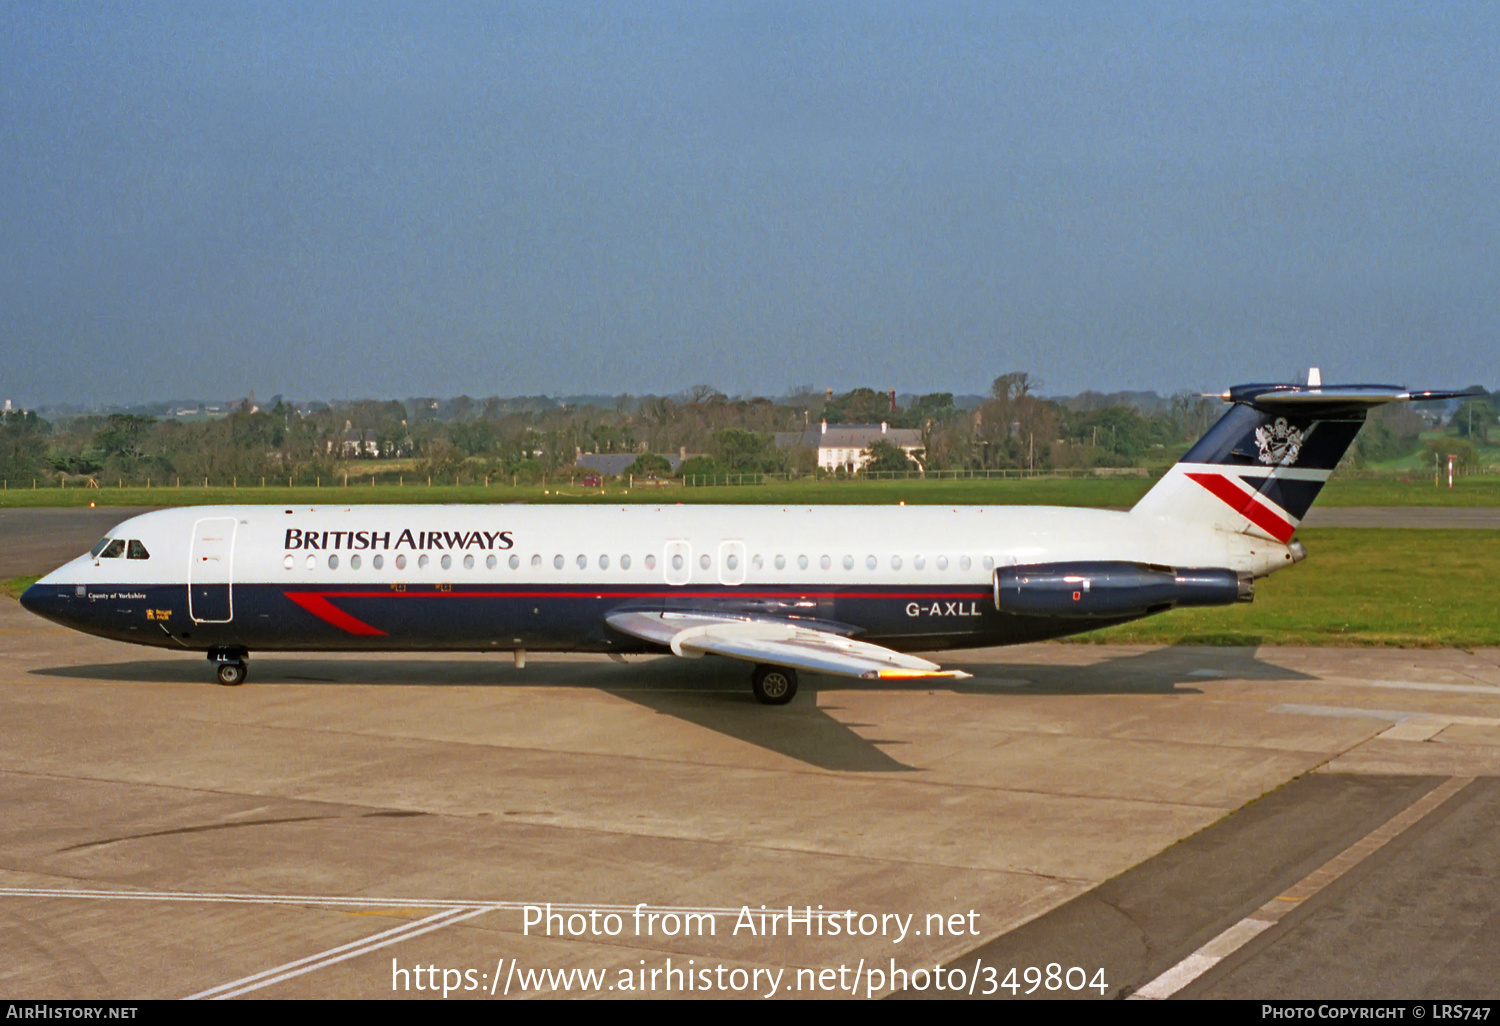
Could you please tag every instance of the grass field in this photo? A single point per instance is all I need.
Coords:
(1358, 586)
(1121, 492)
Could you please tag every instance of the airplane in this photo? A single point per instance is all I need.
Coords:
(852, 591)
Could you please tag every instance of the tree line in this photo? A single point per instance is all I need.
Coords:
(466, 438)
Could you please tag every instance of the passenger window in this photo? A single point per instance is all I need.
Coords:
(624, 562)
(136, 551)
(114, 550)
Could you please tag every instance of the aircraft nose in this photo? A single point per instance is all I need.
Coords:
(45, 600)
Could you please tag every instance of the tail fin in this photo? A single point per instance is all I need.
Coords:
(1258, 469)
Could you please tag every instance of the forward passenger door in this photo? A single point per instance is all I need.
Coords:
(211, 570)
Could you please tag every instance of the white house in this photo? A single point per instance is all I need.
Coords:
(846, 446)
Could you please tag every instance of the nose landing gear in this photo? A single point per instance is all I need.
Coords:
(230, 663)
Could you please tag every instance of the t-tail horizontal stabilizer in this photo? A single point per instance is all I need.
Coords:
(1258, 470)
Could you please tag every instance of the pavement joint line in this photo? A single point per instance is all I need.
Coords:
(1412, 685)
(852, 776)
(1269, 914)
(446, 904)
(1394, 715)
(450, 904)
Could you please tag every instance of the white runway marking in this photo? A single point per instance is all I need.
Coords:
(344, 951)
(450, 913)
(1269, 914)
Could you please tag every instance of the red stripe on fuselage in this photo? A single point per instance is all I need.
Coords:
(316, 602)
(1248, 506)
(728, 591)
(320, 607)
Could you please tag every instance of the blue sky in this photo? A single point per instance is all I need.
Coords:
(380, 199)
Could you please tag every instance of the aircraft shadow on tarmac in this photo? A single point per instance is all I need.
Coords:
(715, 694)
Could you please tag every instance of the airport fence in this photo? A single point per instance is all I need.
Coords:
(1010, 474)
(579, 477)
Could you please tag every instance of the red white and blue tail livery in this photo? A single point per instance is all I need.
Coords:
(1258, 470)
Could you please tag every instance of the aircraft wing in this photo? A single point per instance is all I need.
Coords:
(775, 641)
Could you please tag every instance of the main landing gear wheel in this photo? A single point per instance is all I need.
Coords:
(774, 685)
(229, 665)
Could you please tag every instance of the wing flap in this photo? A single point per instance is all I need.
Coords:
(779, 642)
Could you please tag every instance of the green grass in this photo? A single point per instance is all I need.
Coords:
(16, 585)
(1119, 492)
(1358, 586)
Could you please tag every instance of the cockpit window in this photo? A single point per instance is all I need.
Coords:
(136, 551)
(114, 550)
(98, 547)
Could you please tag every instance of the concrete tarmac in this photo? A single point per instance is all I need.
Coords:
(34, 541)
(1480, 518)
(354, 827)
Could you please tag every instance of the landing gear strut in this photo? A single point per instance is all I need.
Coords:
(774, 685)
(230, 663)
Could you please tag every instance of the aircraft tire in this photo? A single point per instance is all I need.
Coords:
(231, 674)
(774, 685)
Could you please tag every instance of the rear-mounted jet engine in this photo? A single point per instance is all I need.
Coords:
(1112, 590)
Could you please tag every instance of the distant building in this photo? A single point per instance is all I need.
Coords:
(846, 446)
(353, 443)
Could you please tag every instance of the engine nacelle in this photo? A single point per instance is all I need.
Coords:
(1114, 589)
